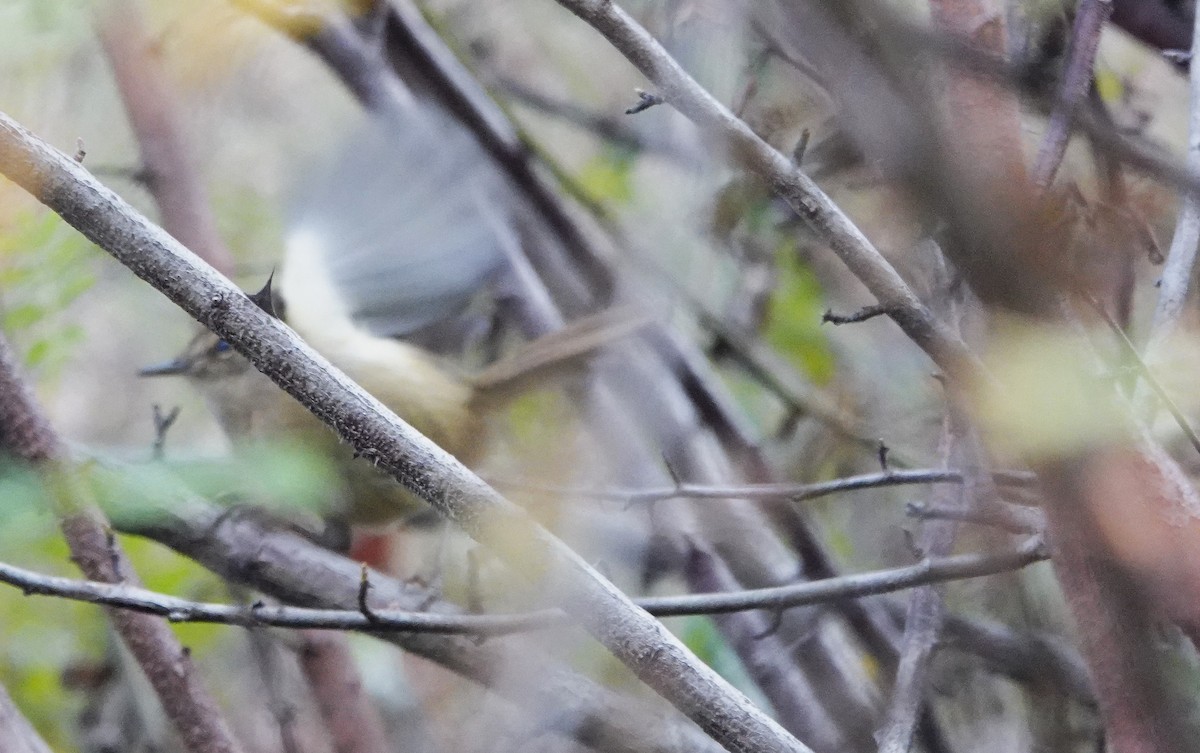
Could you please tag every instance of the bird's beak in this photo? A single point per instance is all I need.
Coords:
(174, 367)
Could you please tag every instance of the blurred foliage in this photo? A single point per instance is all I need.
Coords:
(741, 203)
(701, 636)
(278, 476)
(1109, 85)
(45, 265)
(35, 34)
(794, 321)
(251, 224)
(1051, 396)
(606, 178)
(281, 476)
(68, 633)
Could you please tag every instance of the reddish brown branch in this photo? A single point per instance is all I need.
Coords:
(153, 109)
(985, 119)
(353, 723)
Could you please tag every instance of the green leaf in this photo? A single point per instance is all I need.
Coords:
(607, 177)
(794, 322)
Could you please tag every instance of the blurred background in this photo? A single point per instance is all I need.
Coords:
(739, 380)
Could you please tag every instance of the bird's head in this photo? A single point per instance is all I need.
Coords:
(207, 356)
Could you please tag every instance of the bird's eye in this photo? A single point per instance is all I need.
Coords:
(221, 346)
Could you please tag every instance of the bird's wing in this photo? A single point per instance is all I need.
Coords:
(403, 223)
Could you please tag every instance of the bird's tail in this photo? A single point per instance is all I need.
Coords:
(556, 354)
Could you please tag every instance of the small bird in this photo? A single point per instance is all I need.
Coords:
(396, 235)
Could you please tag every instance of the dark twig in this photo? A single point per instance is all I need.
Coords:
(882, 453)
(1158, 23)
(776, 375)
(800, 148)
(609, 128)
(646, 100)
(162, 424)
(364, 591)
(862, 315)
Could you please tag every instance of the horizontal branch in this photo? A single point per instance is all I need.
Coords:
(794, 492)
(996, 514)
(935, 570)
(938, 570)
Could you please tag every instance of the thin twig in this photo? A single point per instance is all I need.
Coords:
(862, 315)
(259, 614)
(773, 372)
(1181, 258)
(923, 619)
(605, 127)
(773, 491)
(1131, 352)
(162, 424)
(646, 100)
(1007, 517)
